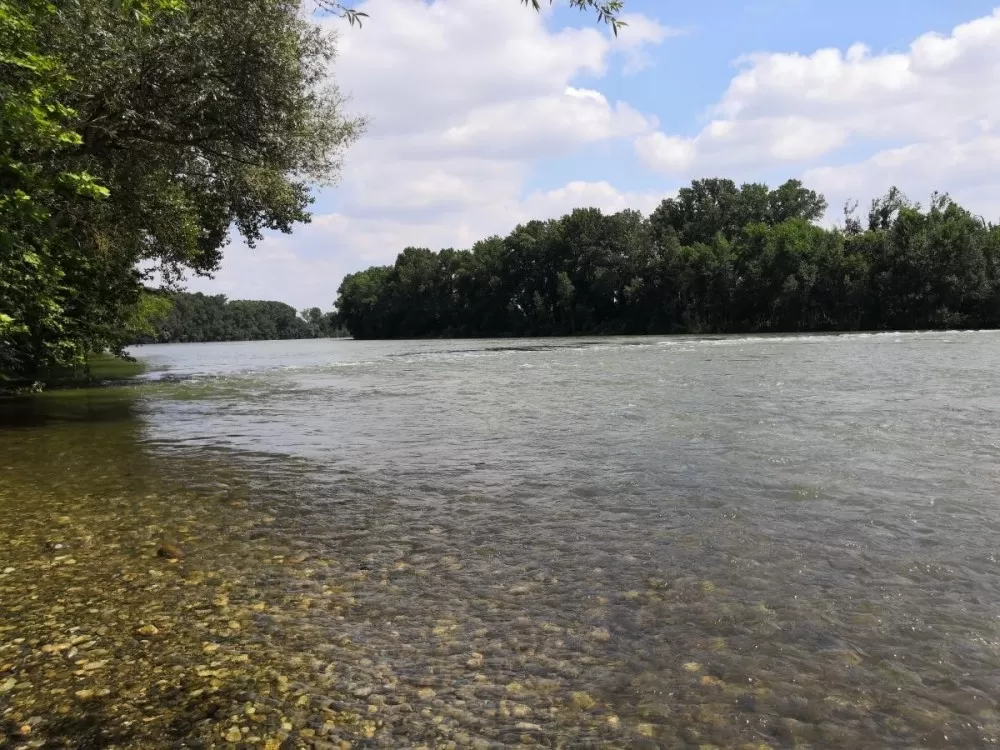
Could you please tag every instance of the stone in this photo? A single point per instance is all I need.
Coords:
(148, 630)
(583, 701)
(520, 711)
(169, 551)
(601, 635)
(232, 735)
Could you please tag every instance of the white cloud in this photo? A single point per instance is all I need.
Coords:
(639, 33)
(928, 117)
(968, 170)
(463, 96)
(305, 269)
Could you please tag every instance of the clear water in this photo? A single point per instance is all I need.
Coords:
(636, 542)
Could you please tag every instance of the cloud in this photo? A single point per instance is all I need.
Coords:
(967, 169)
(418, 67)
(464, 96)
(635, 38)
(306, 268)
(931, 112)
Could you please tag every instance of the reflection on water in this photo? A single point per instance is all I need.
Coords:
(717, 542)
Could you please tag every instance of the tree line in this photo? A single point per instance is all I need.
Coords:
(135, 135)
(716, 258)
(198, 317)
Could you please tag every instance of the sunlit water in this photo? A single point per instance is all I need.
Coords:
(641, 542)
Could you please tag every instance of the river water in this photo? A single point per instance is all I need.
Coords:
(625, 542)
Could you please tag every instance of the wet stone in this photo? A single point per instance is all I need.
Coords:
(169, 551)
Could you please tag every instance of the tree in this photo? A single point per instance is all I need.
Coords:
(183, 317)
(717, 206)
(718, 258)
(38, 257)
(146, 130)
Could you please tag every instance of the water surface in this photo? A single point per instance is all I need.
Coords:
(635, 542)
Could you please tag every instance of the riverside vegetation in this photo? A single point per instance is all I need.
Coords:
(718, 258)
(134, 136)
(199, 317)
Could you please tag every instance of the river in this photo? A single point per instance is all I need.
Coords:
(771, 541)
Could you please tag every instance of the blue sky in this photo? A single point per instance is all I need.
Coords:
(485, 114)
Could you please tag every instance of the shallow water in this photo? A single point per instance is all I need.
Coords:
(640, 542)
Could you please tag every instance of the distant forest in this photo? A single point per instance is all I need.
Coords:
(717, 258)
(199, 317)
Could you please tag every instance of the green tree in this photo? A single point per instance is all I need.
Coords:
(718, 258)
(38, 256)
(717, 206)
(142, 135)
(183, 317)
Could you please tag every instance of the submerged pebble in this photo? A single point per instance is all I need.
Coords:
(328, 618)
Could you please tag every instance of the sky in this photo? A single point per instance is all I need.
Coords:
(484, 114)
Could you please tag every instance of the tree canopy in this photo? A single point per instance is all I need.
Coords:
(135, 136)
(198, 317)
(717, 258)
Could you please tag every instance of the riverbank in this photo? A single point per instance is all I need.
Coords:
(100, 369)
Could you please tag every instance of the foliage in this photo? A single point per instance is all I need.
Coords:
(37, 256)
(184, 317)
(717, 258)
(607, 10)
(136, 134)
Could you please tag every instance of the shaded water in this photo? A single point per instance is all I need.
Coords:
(642, 542)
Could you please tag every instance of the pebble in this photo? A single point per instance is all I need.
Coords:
(583, 701)
(232, 735)
(169, 551)
(148, 630)
(520, 711)
(601, 635)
